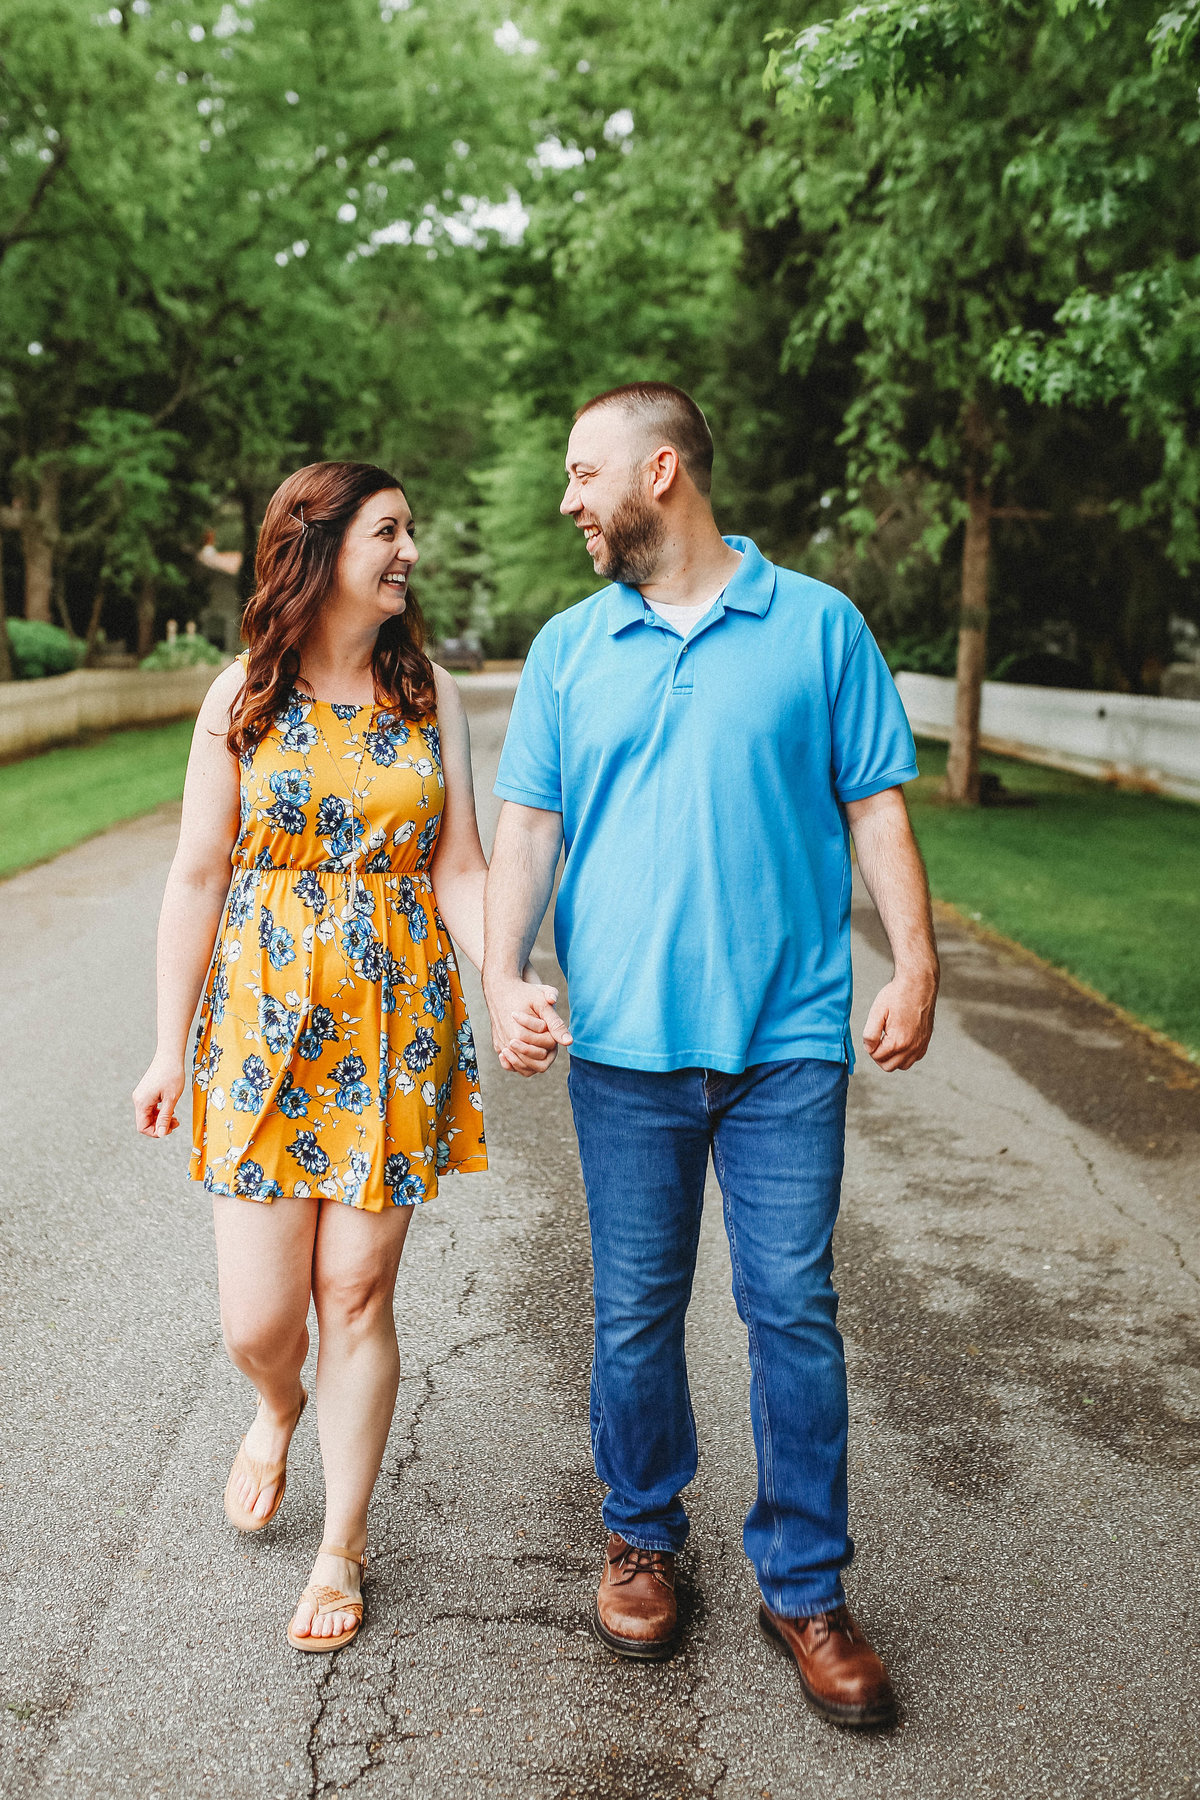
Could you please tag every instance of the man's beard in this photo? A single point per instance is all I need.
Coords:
(633, 537)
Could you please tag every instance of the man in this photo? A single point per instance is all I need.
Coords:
(702, 732)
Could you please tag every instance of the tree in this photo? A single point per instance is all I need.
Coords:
(995, 166)
(240, 237)
(647, 253)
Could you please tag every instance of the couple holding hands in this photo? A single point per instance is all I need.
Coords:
(703, 736)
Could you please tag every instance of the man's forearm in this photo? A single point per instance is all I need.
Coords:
(518, 890)
(891, 867)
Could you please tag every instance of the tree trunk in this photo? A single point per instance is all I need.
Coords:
(962, 764)
(7, 672)
(59, 585)
(250, 521)
(93, 630)
(39, 570)
(39, 535)
(147, 611)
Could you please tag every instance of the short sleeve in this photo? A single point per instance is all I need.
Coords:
(872, 743)
(530, 771)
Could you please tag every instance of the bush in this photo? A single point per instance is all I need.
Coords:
(184, 653)
(923, 656)
(39, 649)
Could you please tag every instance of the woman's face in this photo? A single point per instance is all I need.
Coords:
(377, 557)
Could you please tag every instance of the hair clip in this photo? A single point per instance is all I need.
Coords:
(303, 522)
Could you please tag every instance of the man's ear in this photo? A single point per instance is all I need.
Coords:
(663, 468)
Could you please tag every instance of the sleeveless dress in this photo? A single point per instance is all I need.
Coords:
(334, 1055)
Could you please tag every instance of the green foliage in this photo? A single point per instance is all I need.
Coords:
(1134, 347)
(39, 649)
(923, 656)
(884, 47)
(538, 562)
(452, 578)
(1009, 173)
(235, 239)
(643, 259)
(238, 237)
(184, 653)
(1177, 31)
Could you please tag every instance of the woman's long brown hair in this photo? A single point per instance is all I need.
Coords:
(295, 571)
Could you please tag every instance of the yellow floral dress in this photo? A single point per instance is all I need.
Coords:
(334, 1055)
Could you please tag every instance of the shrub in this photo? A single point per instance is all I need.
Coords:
(39, 649)
(184, 653)
(923, 656)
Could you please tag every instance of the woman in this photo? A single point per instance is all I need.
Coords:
(334, 1073)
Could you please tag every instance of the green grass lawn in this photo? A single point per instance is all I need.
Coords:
(51, 801)
(1101, 883)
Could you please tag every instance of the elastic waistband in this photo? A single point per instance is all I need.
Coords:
(330, 875)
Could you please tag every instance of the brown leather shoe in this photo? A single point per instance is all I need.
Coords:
(635, 1608)
(843, 1679)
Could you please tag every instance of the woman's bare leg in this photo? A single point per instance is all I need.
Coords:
(264, 1266)
(358, 1370)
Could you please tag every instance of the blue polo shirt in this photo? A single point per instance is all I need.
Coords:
(703, 916)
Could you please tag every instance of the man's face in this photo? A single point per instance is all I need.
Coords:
(608, 496)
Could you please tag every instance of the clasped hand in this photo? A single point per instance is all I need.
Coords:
(526, 1030)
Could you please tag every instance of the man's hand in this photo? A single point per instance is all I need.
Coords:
(526, 1030)
(900, 1024)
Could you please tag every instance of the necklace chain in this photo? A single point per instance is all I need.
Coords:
(351, 866)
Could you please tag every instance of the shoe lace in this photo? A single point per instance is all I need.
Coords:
(823, 1625)
(633, 1560)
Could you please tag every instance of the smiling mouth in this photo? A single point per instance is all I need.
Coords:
(395, 581)
(591, 536)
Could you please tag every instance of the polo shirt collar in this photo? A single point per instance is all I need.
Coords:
(751, 590)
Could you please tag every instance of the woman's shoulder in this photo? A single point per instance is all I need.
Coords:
(449, 699)
(219, 700)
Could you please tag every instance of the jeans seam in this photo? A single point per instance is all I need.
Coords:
(755, 1357)
(599, 1427)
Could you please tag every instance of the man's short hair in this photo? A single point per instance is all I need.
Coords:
(670, 417)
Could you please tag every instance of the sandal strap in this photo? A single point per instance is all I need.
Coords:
(269, 1474)
(328, 1600)
(265, 1474)
(346, 1555)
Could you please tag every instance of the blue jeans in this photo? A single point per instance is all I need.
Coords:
(777, 1134)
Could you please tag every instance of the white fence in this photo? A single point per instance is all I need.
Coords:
(1129, 738)
(34, 714)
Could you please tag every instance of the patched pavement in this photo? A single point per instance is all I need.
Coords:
(1019, 1262)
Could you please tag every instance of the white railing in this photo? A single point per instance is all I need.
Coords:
(1134, 739)
(34, 714)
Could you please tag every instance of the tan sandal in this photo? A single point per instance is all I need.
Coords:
(326, 1600)
(263, 1475)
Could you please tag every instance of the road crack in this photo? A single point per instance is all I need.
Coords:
(1157, 1231)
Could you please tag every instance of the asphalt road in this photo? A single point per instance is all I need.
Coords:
(1020, 1271)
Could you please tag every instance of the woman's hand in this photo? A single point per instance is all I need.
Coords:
(155, 1098)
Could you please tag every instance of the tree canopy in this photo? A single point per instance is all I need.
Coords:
(913, 257)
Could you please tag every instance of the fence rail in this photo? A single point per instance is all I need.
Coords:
(1134, 739)
(35, 714)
